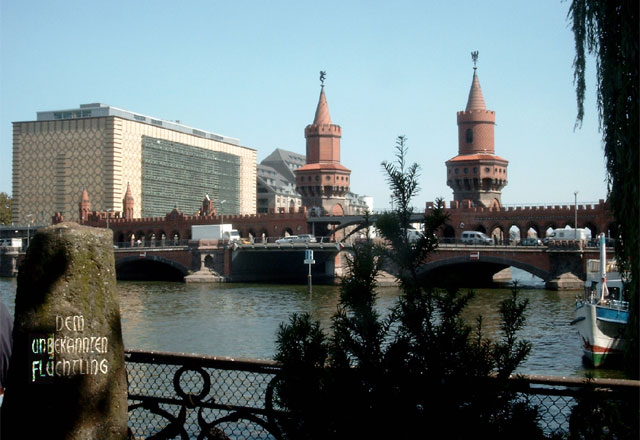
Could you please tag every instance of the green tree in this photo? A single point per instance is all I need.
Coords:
(608, 30)
(420, 369)
(5, 208)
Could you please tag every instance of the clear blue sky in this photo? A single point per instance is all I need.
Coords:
(249, 70)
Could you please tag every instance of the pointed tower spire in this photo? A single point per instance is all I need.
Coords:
(477, 174)
(476, 100)
(323, 181)
(128, 203)
(322, 111)
(85, 205)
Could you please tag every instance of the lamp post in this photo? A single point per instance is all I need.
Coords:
(575, 209)
(108, 215)
(221, 215)
(29, 230)
(575, 220)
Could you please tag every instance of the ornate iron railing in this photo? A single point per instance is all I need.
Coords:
(188, 396)
(193, 396)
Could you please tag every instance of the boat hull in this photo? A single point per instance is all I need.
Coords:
(601, 330)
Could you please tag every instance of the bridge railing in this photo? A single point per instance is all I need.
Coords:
(442, 241)
(187, 396)
(181, 243)
(150, 244)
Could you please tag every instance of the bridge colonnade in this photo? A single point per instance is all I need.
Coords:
(536, 220)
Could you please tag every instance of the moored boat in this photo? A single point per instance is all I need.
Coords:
(601, 316)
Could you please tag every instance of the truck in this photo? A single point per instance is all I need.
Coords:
(567, 234)
(214, 232)
(11, 242)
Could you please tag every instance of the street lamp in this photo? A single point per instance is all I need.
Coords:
(108, 214)
(221, 202)
(575, 221)
(29, 230)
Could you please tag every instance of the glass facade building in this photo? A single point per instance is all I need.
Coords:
(108, 152)
(176, 175)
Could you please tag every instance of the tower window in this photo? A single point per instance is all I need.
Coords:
(469, 136)
(466, 170)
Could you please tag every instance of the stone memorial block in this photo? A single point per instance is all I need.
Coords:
(67, 376)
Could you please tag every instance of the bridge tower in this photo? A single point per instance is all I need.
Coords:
(477, 175)
(323, 182)
(84, 206)
(128, 204)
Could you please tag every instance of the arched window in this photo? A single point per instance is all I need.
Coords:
(469, 136)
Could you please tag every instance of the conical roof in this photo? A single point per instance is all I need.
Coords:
(322, 112)
(476, 100)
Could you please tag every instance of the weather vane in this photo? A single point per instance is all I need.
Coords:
(323, 75)
(474, 57)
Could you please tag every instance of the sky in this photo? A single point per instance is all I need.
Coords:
(250, 70)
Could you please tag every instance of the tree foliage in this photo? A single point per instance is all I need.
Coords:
(419, 369)
(608, 30)
(5, 208)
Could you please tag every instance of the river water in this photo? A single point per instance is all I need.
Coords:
(241, 320)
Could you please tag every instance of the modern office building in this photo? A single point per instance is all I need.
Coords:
(105, 150)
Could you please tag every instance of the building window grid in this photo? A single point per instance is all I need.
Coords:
(177, 175)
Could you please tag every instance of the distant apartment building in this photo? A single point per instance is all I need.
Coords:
(276, 186)
(105, 150)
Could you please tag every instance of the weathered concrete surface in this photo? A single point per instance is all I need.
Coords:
(67, 375)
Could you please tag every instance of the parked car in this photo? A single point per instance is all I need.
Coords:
(530, 241)
(302, 238)
(306, 238)
(608, 242)
(475, 237)
(288, 239)
(413, 235)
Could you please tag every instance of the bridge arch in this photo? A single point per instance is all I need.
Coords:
(593, 228)
(497, 233)
(150, 267)
(498, 262)
(535, 227)
(449, 234)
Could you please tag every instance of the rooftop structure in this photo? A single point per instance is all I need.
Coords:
(100, 110)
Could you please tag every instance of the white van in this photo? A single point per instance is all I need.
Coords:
(475, 237)
(413, 235)
(568, 234)
(11, 242)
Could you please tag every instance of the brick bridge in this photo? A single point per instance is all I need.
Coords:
(558, 268)
(217, 261)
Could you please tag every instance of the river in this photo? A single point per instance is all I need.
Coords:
(241, 320)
